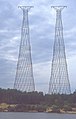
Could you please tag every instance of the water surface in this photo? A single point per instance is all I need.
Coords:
(22, 115)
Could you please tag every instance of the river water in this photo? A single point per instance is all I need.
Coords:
(21, 115)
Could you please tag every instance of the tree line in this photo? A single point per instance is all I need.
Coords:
(13, 96)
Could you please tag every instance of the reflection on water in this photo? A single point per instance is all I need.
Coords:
(21, 115)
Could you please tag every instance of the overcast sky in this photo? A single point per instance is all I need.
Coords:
(42, 27)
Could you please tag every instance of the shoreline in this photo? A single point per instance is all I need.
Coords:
(4, 107)
(34, 111)
(39, 112)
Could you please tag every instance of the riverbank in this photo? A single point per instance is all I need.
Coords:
(34, 108)
(12, 100)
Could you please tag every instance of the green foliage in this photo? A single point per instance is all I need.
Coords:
(36, 100)
(67, 107)
(55, 108)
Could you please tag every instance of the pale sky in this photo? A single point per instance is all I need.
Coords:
(42, 27)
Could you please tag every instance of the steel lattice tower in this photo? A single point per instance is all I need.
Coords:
(24, 80)
(59, 81)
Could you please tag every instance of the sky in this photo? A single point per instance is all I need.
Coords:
(42, 27)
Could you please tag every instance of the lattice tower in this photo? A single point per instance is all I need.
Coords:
(24, 80)
(59, 81)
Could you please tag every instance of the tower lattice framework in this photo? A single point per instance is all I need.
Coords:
(59, 80)
(24, 80)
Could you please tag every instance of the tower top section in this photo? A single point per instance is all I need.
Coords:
(26, 8)
(58, 8)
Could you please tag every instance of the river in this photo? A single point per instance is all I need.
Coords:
(20, 115)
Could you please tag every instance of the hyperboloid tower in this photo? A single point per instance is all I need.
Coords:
(59, 81)
(24, 80)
